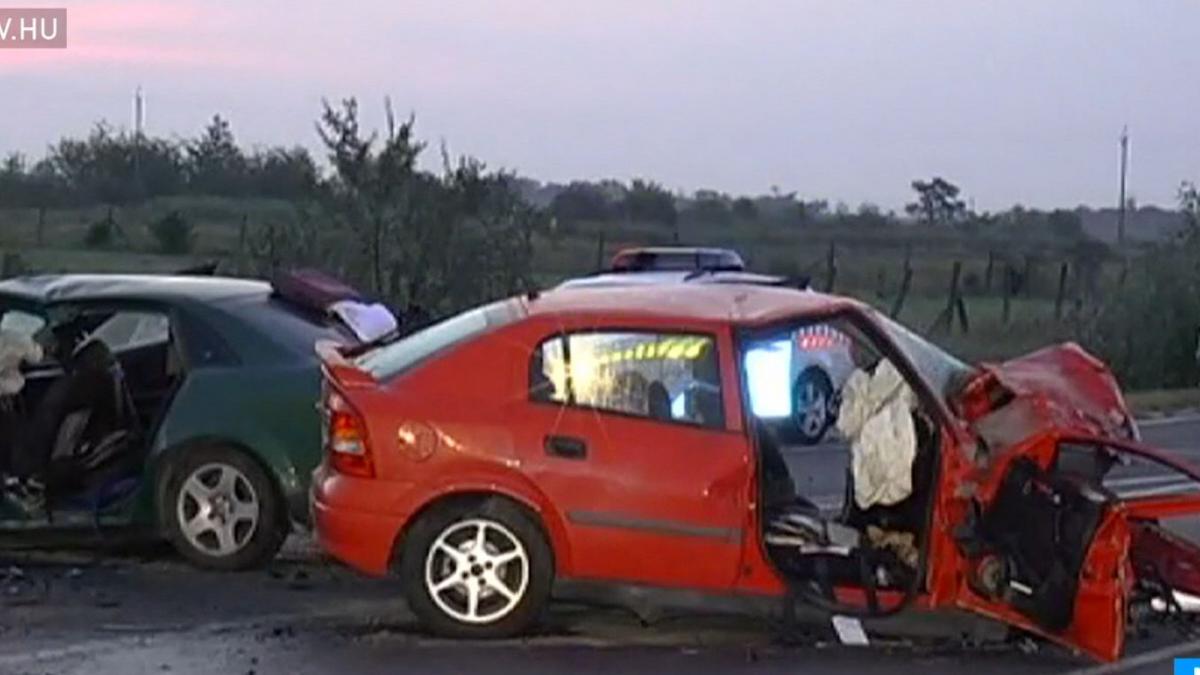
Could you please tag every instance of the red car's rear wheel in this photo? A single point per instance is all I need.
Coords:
(478, 569)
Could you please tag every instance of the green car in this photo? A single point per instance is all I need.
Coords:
(200, 427)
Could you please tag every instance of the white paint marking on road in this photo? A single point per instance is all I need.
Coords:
(1143, 480)
(1167, 421)
(1185, 486)
(97, 647)
(1144, 659)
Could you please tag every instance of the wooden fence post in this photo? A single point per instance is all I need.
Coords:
(905, 282)
(987, 275)
(1062, 290)
(898, 303)
(243, 235)
(954, 305)
(831, 267)
(1008, 289)
(600, 252)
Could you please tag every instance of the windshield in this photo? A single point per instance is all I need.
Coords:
(943, 371)
(393, 358)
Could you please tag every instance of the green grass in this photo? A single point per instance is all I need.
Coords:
(869, 262)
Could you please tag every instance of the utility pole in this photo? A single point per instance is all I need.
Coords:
(139, 111)
(1124, 167)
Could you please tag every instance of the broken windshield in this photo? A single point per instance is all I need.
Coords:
(943, 371)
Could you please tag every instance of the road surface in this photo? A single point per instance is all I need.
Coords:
(84, 613)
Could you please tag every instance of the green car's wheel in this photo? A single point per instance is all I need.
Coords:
(220, 510)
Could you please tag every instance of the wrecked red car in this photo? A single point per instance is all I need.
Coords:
(609, 436)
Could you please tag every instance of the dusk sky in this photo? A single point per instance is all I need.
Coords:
(1016, 101)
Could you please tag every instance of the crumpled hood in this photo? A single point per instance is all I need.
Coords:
(1061, 386)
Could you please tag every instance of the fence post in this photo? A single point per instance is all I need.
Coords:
(242, 237)
(905, 282)
(987, 275)
(600, 252)
(1062, 290)
(831, 267)
(953, 303)
(1008, 288)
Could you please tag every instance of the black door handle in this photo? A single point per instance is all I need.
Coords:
(567, 447)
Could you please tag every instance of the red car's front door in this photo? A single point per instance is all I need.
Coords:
(635, 454)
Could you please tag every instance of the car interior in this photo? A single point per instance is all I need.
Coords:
(86, 408)
(854, 545)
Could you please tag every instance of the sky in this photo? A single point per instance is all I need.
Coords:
(1021, 101)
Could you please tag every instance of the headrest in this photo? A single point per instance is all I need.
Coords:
(92, 355)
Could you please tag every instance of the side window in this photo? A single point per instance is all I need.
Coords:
(129, 330)
(25, 324)
(671, 377)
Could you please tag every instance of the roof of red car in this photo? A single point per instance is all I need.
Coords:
(717, 302)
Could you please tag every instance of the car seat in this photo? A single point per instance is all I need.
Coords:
(84, 425)
(658, 401)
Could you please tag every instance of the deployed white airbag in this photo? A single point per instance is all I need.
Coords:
(15, 349)
(876, 417)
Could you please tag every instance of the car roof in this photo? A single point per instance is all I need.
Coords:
(731, 303)
(58, 287)
(670, 277)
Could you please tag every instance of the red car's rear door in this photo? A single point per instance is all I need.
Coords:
(653, 486)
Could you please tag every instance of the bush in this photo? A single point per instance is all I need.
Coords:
(1150, 330)
(173, 233)
(99, 234)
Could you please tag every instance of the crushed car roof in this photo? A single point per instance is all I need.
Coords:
(741, 303)
(57, 287)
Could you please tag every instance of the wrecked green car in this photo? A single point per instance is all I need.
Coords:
(176, 406)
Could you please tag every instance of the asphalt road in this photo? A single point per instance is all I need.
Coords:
(84, 612)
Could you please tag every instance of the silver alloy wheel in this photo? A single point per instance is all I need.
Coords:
(218, 509)
(812, 410)
(477, 571)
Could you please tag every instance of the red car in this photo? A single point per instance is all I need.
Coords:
(606, 435)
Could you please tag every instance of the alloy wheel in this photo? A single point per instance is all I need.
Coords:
(477, 571)
(218, 509)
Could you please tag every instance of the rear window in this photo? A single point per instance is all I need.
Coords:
(394, 358)
(293, 327)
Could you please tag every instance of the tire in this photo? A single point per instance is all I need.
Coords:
(441, 547)
(813, 406)
(230, 482)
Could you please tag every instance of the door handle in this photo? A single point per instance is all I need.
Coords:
(567, 447)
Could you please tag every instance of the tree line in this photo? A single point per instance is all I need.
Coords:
(117, 167)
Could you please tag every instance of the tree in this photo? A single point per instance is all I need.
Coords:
(1149, 330)
(215, 164)
(581, 201)
(1064, 224)
(709, 207)
(115, 168)
(648, 201)
(283, 173)
(937, 202)
(371, 188)
(745, 209)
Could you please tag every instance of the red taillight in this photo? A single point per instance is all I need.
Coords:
(346, 438)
